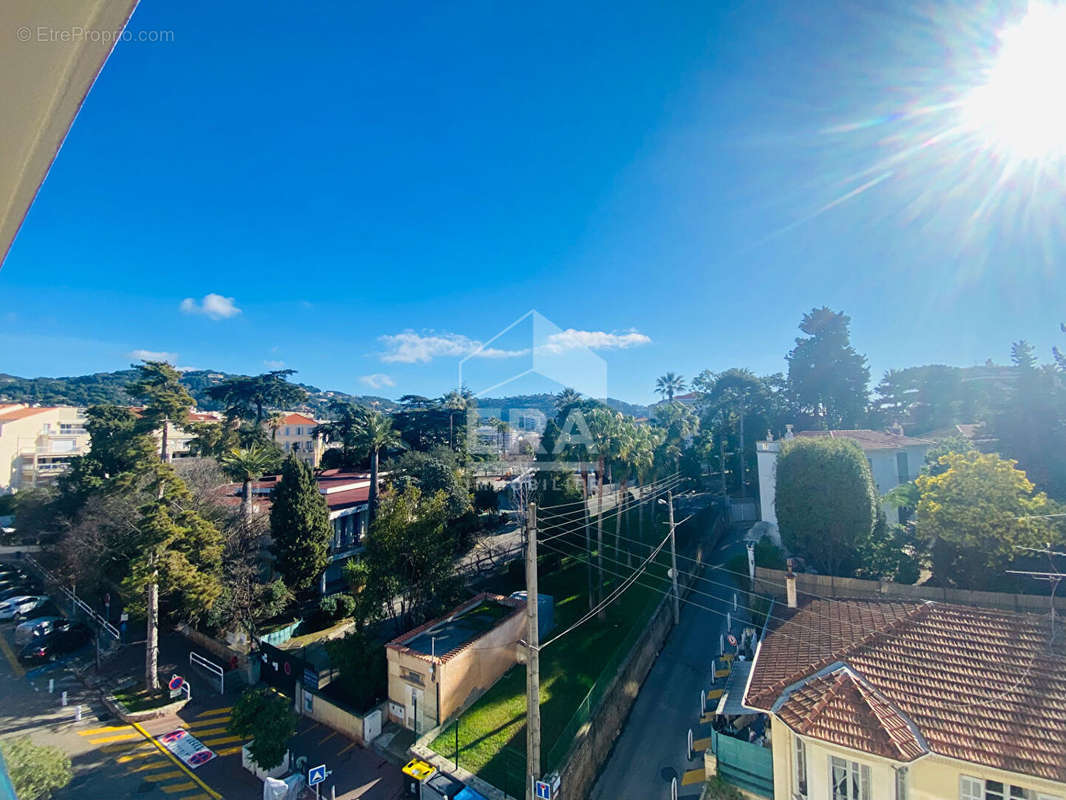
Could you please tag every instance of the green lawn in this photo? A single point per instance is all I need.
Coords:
(141, 699)
(492, 731)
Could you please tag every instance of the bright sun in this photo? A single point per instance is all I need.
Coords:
(1020, 109)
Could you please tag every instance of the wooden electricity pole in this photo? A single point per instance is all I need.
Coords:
(533, 657)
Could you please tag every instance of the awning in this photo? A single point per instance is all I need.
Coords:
(731, 703)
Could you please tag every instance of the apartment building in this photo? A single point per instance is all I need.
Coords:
(295, 433)
(37, 443)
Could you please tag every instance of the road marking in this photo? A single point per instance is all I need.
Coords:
(211, 732)
(181, 787)
(179, 764)
(708, 718)
(108, 729)
(207, 723)
(121, 747)
(714, 694)
(9, 654)
(134, 756)
(327, 737)
(228, 751)
(200, 796)
(722, 673)
(221, 740)
(693, 776)
(347, 747)
(149, 767)
(118, 738)
(163, 776)
(701, 744)
(214, 712)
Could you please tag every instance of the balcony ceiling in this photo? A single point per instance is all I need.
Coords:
(43, 82)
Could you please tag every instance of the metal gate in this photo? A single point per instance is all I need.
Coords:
(280, 668)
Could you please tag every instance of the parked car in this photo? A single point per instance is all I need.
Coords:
(15, 581)
(60, 642)
(18, 607)
(15, 591)
(37, 627)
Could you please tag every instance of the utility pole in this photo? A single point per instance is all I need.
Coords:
(533, 657)
(743, 476)
(673, 559)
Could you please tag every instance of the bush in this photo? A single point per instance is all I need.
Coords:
(345, 606)
(36, 771)
(268, 717)
(485, 498)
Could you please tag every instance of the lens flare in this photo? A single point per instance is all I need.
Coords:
(1021, 108)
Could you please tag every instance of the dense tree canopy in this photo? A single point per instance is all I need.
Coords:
(268, 718)
(827, 379)
(974, 515)
(825, 501)
(299, 526)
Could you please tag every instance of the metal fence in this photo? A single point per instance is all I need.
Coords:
(749, 766)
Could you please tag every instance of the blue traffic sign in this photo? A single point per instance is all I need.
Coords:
(316, 775)
(543, 791)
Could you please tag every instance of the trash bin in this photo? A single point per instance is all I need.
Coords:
(470, 794)
(441, 787)
(415, 772)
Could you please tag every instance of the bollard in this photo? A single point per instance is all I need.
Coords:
(51, 685)
(690, 744)
(728, 623)
(721, 643)
(673, 789)
(333, 792)
(77, 713)
(63, 699)
(703, 702)
(734, 601)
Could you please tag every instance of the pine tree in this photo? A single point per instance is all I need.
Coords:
(299, 526)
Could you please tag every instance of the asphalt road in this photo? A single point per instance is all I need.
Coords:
(652, 746)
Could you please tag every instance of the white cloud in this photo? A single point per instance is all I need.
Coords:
(414, 348)
(572, 339)
(274, 364)
(152, 355)
(410, 347)
(378, 380)
(213, 305)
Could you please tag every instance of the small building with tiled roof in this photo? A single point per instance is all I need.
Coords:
(893, 457)
(440, 667)
(878, 700)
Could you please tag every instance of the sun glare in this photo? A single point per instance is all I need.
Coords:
(1021, 107)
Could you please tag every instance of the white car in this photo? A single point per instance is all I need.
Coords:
(35, 628)
(18, 607)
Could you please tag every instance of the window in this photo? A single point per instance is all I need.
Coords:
(799, 768)
(848, 780)
(978, 789)
(299, 431)
(902, 467)
(286, 430)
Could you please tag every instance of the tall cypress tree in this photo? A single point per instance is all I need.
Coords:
(299, 526)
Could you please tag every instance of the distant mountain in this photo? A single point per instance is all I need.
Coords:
(546, 403)
(109, 388)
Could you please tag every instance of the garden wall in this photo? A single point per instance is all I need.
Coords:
(335, 716)
(772, 582)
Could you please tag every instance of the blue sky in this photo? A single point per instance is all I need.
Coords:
(368, 192)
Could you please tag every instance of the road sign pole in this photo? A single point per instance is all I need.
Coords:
(533, 657)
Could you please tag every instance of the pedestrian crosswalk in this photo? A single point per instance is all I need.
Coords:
(140, 756)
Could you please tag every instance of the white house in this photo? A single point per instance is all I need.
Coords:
(893, 457)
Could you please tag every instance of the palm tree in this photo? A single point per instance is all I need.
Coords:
(274, 421)
(566, 400)
(669, 385)
(603, 425)
(456, 400)
(245, 465)
(625, 448)
(376, 434)
(643, 459)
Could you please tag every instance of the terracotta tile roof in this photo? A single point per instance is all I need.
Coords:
(351, 497)
(870, 440)
(979, 685)
(22, 413)
(840, 708)
(297, 419)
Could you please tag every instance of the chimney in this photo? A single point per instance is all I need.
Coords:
(790, 586)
